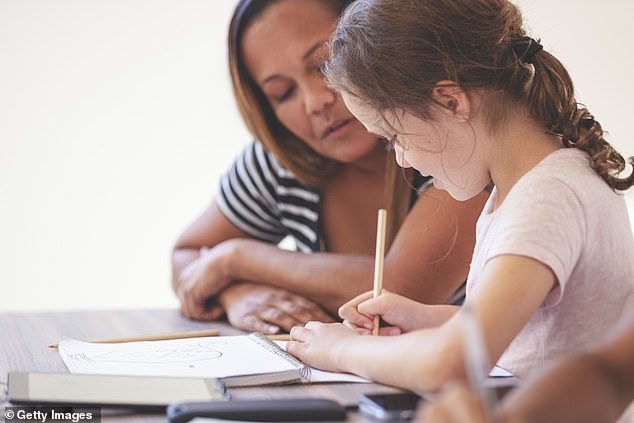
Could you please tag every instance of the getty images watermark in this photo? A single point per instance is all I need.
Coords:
(51, 415)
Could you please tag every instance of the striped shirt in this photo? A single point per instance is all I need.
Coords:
(266, 201)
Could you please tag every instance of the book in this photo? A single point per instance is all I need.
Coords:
(241, 360)
(139, 393)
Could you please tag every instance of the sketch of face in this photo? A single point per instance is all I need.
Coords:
(444, 147)
(284, 49)
(204, 350)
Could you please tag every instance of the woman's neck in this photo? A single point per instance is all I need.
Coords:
(370, 165)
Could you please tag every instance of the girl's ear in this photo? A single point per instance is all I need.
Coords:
(452, 99)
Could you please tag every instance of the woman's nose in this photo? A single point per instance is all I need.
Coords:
(317, 96)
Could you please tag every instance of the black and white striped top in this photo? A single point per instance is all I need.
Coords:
(265, 200)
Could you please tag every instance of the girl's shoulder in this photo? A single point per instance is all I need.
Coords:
(564, 187)
(566, 170)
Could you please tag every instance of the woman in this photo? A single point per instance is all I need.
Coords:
(317, 175)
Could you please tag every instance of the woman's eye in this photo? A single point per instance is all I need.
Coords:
(284, 96)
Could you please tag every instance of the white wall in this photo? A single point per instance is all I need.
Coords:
(116, 120)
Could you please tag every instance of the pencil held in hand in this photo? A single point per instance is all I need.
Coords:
(378, 261)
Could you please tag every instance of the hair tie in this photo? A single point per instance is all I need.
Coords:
(526, 48)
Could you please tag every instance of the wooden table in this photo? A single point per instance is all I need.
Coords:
(24, 340)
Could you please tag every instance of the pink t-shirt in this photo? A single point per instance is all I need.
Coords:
(564, 215)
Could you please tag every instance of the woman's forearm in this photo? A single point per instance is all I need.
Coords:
(328, 278)
(181, 258)
(331, 279)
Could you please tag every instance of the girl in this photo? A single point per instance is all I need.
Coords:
(465, 96)
(317, 175)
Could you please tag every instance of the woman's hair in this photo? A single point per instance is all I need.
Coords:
(391, 54)
(307, 165)
(257, 113)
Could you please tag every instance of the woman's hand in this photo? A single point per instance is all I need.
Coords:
(266, 309)
(319, 344)
(400, 313)
(201, 280)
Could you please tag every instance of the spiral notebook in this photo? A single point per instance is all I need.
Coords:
(243, 360)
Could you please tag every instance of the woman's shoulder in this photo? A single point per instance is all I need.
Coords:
(255, 152)
(259, 160)
(262, 164)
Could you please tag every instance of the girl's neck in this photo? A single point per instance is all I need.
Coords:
(518, 147)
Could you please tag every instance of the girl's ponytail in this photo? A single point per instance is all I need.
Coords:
(550, 100)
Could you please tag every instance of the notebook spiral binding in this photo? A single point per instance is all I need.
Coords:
(272, 347)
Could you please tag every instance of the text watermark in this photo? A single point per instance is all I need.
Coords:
(51, 415)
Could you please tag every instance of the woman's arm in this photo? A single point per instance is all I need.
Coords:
(509, 292)
(267, 309)
(427, 261)
(197, 279)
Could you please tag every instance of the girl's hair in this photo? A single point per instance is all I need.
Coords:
(391, 54)
(308, 166)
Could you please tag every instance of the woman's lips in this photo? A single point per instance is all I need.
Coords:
(335, 127)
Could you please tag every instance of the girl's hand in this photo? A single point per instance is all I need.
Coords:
(266, 309)
(202, 280)
(400, 313)
(320, 344)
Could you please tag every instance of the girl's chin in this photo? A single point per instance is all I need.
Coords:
(457, 194)
(461, 193)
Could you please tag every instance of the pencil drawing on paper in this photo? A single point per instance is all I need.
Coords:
(200, 351)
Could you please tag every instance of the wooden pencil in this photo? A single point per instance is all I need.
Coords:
(160, 337)
(177, 335)
(381, 227)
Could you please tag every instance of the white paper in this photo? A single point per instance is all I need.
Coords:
(497, 371)
(218, 356)
(317, 375)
